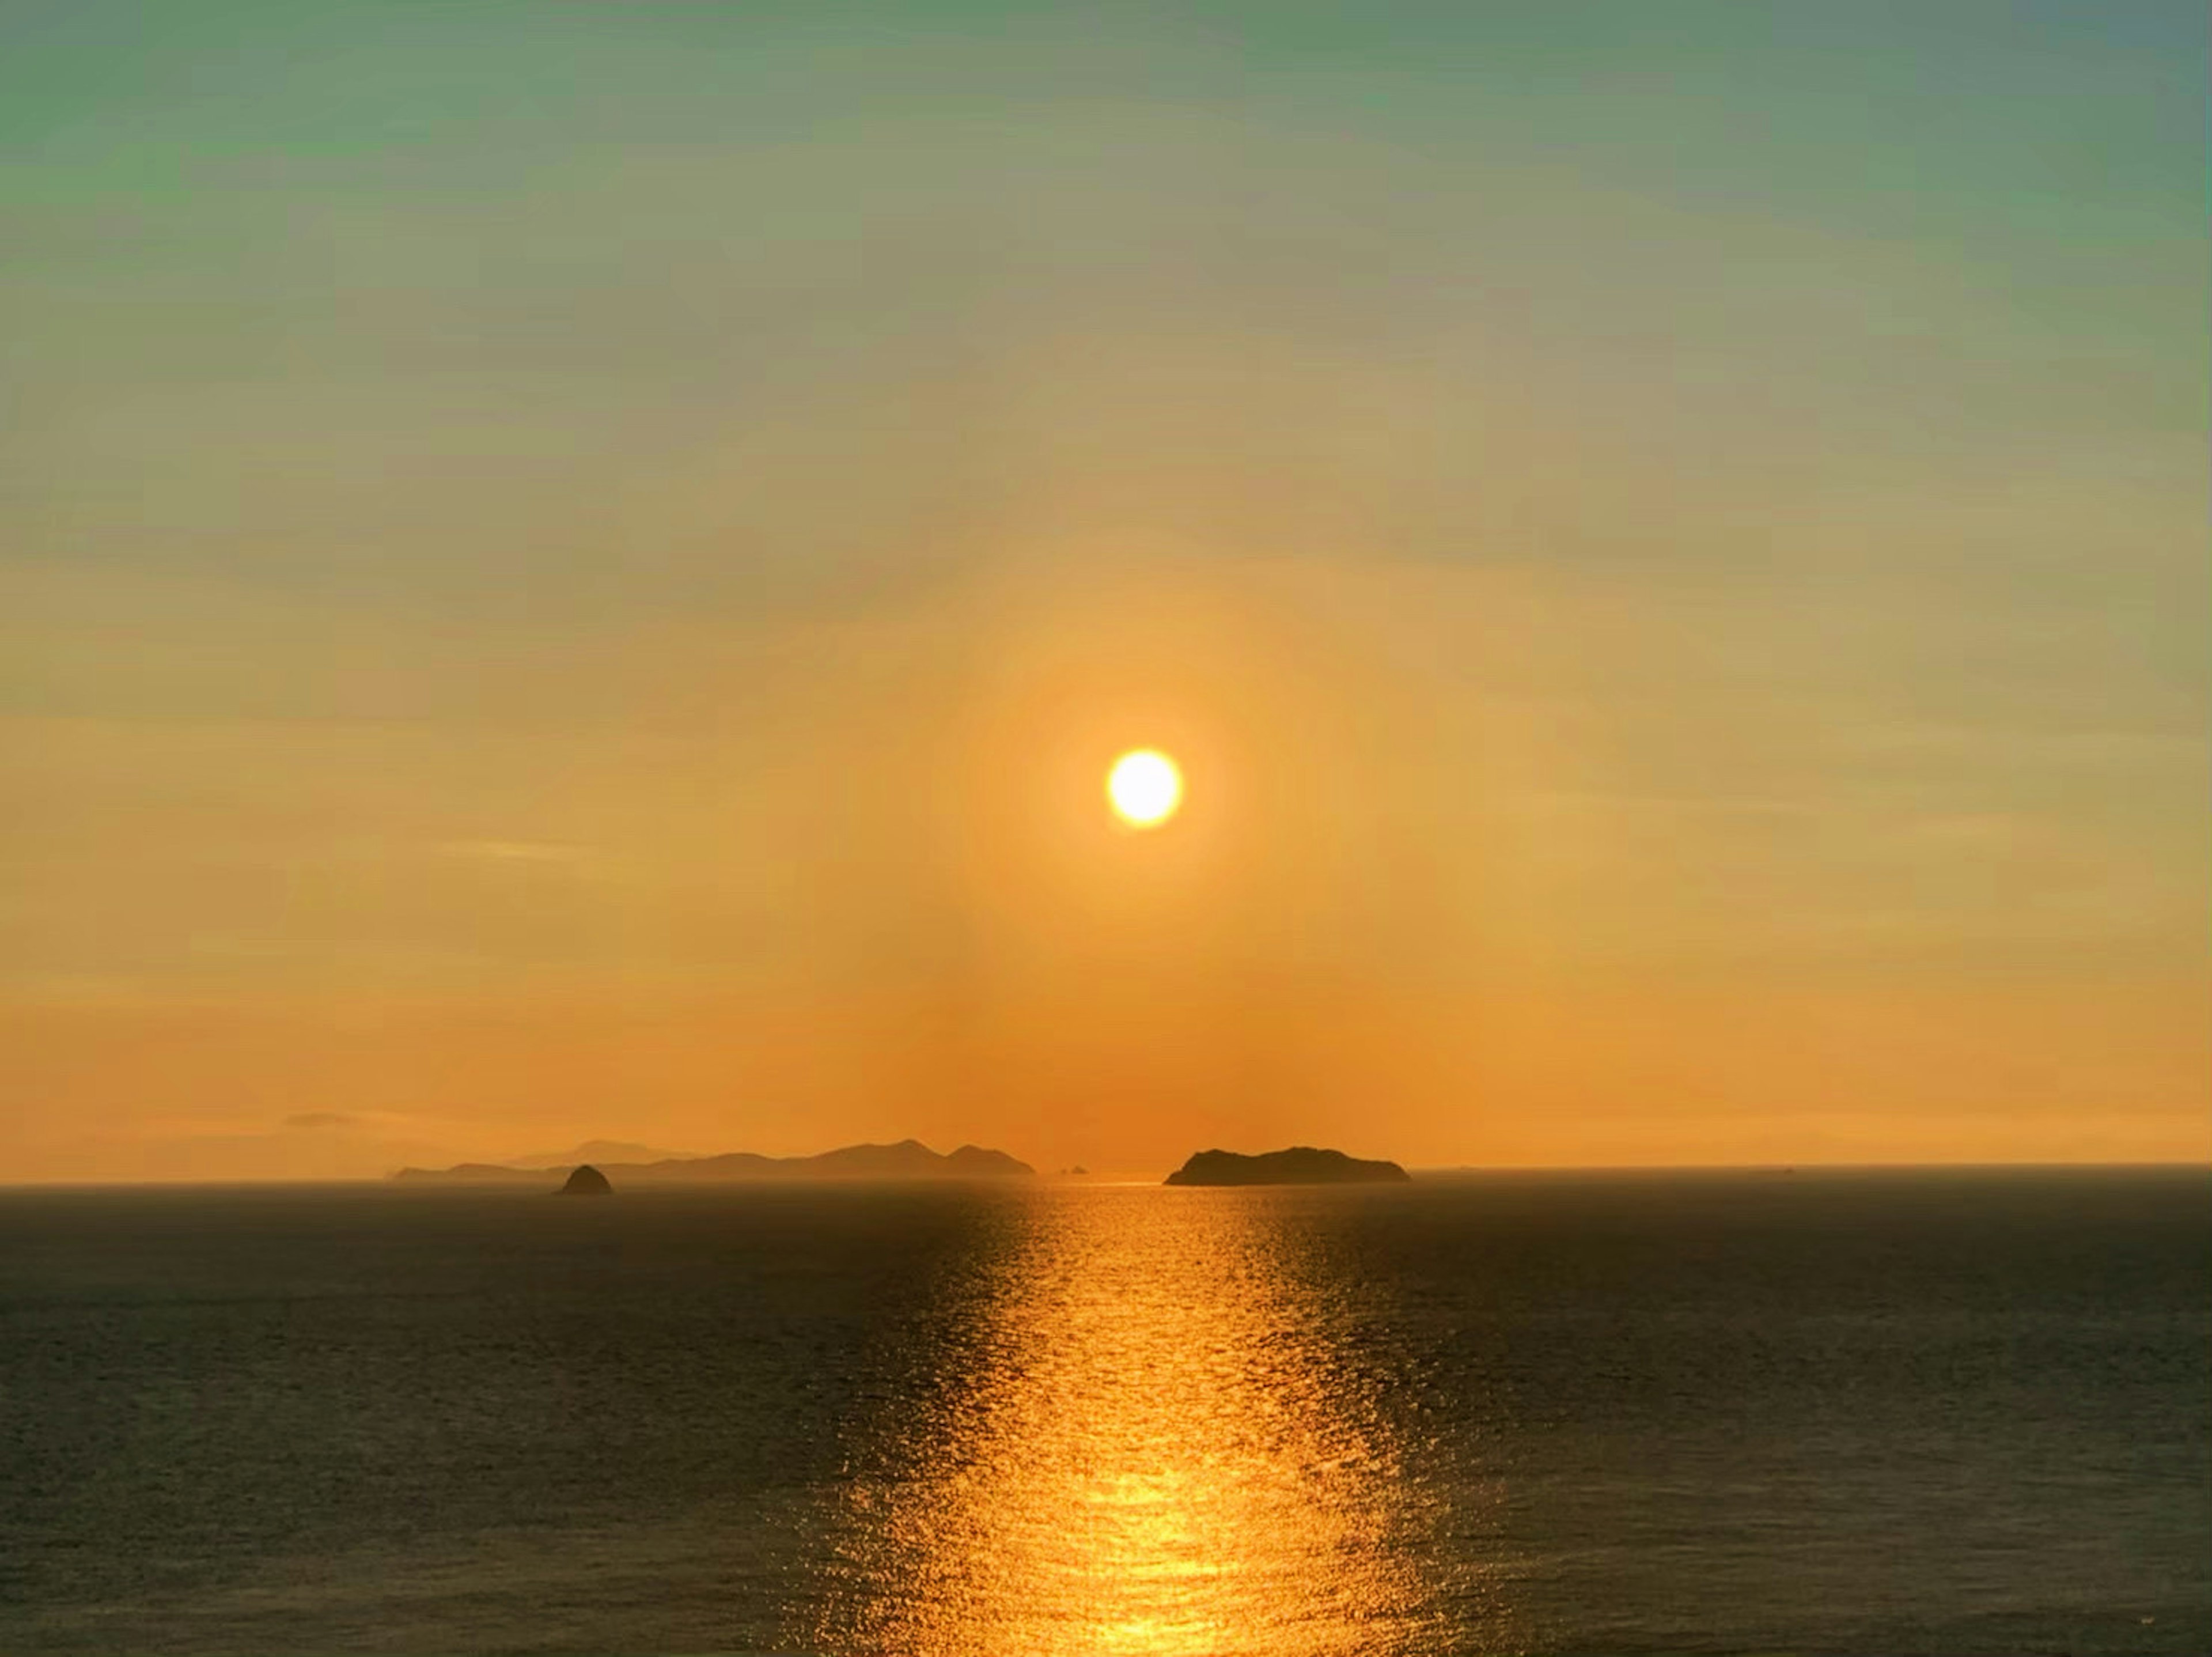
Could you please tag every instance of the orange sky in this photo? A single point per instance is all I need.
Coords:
(524, 623)
(1443, 926)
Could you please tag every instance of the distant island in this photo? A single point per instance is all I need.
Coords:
(617, 1153)
(908, 1160)
(586, 1181)
(1301, 1164)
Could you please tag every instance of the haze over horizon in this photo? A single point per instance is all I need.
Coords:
(576, 572)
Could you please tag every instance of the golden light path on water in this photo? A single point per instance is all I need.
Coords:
(1168, 1447)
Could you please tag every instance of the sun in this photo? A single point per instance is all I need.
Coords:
(1145, 788)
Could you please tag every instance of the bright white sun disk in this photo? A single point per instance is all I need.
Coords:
(1145, 786)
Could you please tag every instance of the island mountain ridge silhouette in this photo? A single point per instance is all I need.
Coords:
(1301, 1164)
(910, 1159)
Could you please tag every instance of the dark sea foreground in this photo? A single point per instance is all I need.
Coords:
(1926, 1412)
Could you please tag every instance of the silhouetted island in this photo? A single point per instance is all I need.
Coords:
(908, 1160)
(1301, 1164)
(586, 1181)
(600, 1153)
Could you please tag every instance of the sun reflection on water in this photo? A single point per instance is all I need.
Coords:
(1160, 1448)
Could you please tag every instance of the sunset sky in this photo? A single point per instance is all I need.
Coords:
(575, 570)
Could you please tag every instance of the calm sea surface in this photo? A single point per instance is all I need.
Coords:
(1820, 1413)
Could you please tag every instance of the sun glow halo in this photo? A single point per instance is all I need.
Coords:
(1145, 788)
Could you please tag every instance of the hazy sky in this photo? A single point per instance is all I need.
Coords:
(575, 570)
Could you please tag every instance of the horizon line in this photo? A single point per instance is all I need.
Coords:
(1128, 1176)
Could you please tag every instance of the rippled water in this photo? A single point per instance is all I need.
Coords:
(1943, 1413)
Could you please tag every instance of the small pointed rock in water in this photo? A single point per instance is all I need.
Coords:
(586, 1181)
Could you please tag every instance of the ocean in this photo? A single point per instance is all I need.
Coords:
(1928, 1411)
